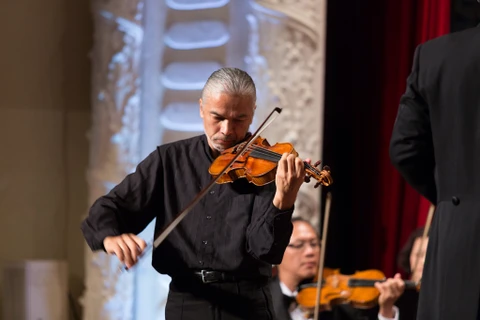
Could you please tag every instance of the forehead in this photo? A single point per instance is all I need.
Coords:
(303, 231)
(229, 104)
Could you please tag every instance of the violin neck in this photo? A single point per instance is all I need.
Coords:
(409, 284)
(265, 154)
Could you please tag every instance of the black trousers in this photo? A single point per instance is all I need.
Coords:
(242, 300)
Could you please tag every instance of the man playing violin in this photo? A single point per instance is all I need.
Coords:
(300, 264)
(220, 256)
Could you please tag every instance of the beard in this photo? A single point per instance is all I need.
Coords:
(221, 143)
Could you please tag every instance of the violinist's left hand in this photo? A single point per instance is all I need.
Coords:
(289, 177)
(390, 291)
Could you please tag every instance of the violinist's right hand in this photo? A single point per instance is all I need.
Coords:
(127, 247)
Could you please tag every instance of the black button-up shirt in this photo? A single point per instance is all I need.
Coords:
(234, 228)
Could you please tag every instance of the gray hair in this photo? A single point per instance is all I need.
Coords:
(230, 81)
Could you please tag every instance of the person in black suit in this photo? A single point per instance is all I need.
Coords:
(435, 145)
(300, 264)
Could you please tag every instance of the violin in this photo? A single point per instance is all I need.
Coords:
(258, 164)
(357, 289)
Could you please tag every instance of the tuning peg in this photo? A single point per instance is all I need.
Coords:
(317, 163)
(317, 184)
(307, 178)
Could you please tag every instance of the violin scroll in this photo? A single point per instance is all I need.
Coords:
(322, 176)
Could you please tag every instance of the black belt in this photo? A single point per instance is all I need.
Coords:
(209, 276)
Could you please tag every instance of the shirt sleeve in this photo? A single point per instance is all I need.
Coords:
(270, 229)
(411, 144)
(129, 207)
(397, 315)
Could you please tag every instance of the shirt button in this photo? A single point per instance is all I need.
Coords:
(455, 201)
(209, 217)
(205, 242)
(200, 262)
(212, 192)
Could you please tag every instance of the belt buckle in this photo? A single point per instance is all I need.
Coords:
(204, 279)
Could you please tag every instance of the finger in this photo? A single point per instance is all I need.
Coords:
(133, 248)
(396, 287)
(300, 168)
(379, 287)
(400, 289)
(126, 251)
(140, 243)
(397, 282)
(396, 293)
(119, 253)
(282, 164)
(291, 164)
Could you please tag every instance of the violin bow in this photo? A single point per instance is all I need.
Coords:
(322, 254)
(431, 210)
(161, 237)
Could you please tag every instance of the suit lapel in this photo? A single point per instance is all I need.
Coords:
(281, 310)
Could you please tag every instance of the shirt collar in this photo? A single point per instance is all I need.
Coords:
(206, 146)
(287, 291)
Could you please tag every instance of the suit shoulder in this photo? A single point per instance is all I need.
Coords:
(274, 284)
(452, 39)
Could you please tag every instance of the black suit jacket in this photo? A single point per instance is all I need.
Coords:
(281, 310)
(435, 145)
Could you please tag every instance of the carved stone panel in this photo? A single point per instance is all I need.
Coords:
(114, 139)
(286, 58)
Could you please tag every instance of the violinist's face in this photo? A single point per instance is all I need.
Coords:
(419, 250)
(302, 255)
(226, 119)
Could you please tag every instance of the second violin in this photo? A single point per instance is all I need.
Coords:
(357, 289)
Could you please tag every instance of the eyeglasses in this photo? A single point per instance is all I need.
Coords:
(302, 245)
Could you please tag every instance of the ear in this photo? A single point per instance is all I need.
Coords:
(200, 102)
(255, 108)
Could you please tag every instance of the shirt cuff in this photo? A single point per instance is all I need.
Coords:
(276, 215)
(395, 310)
(95, 239)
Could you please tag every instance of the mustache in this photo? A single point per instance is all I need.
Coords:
(226, 139)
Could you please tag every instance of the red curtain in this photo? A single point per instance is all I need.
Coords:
(407, 23)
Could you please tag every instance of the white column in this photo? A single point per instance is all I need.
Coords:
(114, 139)
(287, 59)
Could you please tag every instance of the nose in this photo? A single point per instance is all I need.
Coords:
(227, 127)
(310, 250)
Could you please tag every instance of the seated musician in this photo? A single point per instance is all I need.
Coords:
(411, 259)
(300, 263)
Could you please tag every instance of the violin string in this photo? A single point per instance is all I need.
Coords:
(274, 156)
